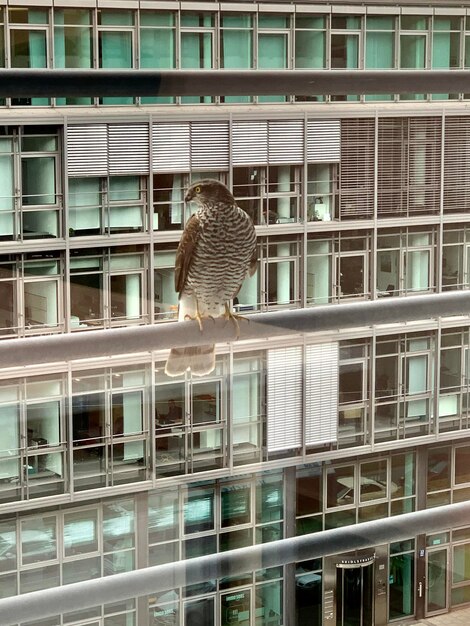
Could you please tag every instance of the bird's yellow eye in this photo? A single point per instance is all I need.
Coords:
(198, 189)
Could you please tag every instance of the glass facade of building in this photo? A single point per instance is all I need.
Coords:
(108, 465)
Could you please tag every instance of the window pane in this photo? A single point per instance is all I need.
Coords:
(272, 51)
(157, 48)
(118, 525)
(380, 50)
(80, 532)
(417, 271)
(124, 188)
(461, 563)
(310, 49)
(199, 511)
(235, 505)
(445, 50)
(269, 604)
(38, 540)
(417, 374)
(196, 50)
(39, 184)
(163, 517)
(462, 465)
(41, 303)
(73, 46)
(28, 48)
(200, 612)
(126, 296)
(236, 49)
(235, 608)
(344, 51)
(373, 480)
(115, 49)
(309, 492)
(439, 474)
(340, 486)
(413, 51)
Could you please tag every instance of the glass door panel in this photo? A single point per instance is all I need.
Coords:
(436, 577)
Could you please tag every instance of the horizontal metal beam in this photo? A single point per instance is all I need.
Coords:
(28, 83)
(136, 339)
(154, 580)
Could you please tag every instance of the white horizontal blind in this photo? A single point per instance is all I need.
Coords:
(392, 193)
(249, 142)
(286, 141)
(87, 149)
(210, 145)
(425, 164)
(284, 398)
(128, 148)
(321, 393)
(323, 141)
(171, 147)
(457, 164)
(357, 167)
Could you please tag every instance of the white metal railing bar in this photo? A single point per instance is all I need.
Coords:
(17, 83)
(151, 580)
(137, 339)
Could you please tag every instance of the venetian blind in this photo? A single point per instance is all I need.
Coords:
(321, 393)
(210, 145)
(87, 149)
(128, 149)
(284, 398)
(357, 167)
(392, 192)
(425, 164)
(323, 141)
(457, 164)
(249, 142)
(286, 141)
(171, 147)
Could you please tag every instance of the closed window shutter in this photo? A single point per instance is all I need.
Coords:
(425, 164)
(323, 141)
(321, 393)
(128, 149)
(209, 145)
(392, 166)
(87, 150)
(249, 143)
(171, 147)
(457, 164)
(357, 167)
(286, 141)
(284, 398)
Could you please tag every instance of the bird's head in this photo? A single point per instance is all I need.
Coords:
(209, 191)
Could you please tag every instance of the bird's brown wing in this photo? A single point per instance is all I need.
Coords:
(253, 262)
(185, 252)
(252, 267)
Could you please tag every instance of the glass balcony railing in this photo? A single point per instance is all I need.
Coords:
(319, 473)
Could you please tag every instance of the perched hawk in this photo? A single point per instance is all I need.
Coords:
(216, 252)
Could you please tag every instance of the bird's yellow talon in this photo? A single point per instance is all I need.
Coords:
(229, 315)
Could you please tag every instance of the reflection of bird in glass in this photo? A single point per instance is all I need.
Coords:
(216, 252)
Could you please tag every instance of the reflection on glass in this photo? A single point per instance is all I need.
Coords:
(436, 580)
(236, 608)
(401, 585)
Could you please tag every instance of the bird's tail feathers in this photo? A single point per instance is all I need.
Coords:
(199, 359)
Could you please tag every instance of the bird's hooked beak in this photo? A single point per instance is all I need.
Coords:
(189, 196)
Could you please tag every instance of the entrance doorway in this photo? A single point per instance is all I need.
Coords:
(355, 594)
(437, 581)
